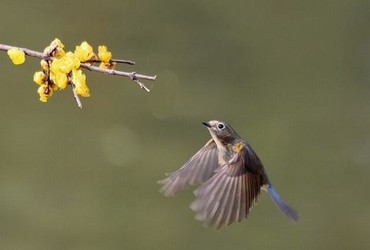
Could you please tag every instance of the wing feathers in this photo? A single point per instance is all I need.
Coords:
(226, 197)
(197, 170)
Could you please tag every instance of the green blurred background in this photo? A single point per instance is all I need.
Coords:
(292, 77)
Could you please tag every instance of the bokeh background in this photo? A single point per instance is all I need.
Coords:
(292, 77)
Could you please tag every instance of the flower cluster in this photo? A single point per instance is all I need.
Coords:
(61, 68)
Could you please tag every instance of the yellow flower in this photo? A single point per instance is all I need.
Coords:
(44, 65)
(53, 86)
(103, 54)
(107, 65)
(17, 56)
(57, 43)
(39, 77)
(79, 80)
(60, 79)
(84, 52)
(45, 92)
(104, 65)
(73, 59)
(56, 48)
(65, 64)
(59, 51)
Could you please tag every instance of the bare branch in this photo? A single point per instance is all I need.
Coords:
(28, 52)
(77, 98)
(132, 75)
(94, 60)
(123, 61)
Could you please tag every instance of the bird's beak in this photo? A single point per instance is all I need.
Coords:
(206, 124)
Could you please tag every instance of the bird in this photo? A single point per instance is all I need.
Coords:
(230, 176)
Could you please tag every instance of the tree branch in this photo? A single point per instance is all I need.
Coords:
(77, 98)
(132, 75)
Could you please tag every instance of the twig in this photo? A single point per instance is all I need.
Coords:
(116, 61)
(123, 61)
(132, 75)
(28, 52)
(77, 98)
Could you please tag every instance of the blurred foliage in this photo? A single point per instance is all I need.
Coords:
(292, 77)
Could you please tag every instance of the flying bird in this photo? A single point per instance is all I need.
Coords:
(230, 175)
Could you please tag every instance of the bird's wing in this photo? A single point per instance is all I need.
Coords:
(228, 195)
(198, 169)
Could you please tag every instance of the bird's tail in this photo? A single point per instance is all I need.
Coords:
(288, 211)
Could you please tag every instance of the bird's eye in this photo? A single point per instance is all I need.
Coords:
(220, 126)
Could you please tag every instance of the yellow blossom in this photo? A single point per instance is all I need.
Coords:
(58, 43)
(84, 52)
(104, 65)
(65, 64)
(59, 53)
(56, 48)
(17, 56)
(79, 80)
(53, 86)
(103, 54)
(107, 65)
(73, 59)
(60, 79)
(44, 65)
(39, 77)
(45, 92)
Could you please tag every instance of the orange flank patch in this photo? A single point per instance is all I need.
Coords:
(238, 147)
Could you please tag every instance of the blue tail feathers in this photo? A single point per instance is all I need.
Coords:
(288, 211)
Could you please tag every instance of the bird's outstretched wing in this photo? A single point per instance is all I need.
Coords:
(197, 170)
(228, 195)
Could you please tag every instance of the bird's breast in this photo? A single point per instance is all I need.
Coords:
(228, 152)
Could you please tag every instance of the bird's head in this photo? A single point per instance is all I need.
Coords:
(221, 131)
